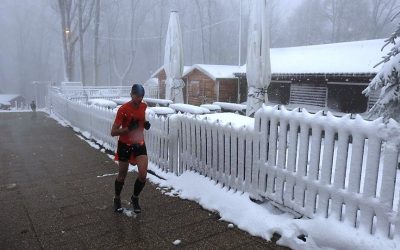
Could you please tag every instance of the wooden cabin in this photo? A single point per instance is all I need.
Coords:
(161, 76)
(206, 83)
(329, 76)
(212, 83)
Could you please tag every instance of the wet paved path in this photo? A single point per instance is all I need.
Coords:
(51, 198)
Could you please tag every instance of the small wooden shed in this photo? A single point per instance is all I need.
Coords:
(161, 76)
(207, 83)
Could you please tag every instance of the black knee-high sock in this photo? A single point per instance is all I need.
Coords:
(118, 187)
(138, 187)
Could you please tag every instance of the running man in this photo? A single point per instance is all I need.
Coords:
(129, 125)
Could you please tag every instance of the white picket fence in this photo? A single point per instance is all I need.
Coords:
(314, 164)
(96, 121)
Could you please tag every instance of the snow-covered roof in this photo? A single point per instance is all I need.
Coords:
(337, 58)
(151, 82)
(185, 69)
(216, 71)
(5, 99)
(346, 57)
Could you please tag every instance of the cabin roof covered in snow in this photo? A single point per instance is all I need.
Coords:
(216, 71)
(337, 58)
(358, 57)
(185, 69)
(5, 99)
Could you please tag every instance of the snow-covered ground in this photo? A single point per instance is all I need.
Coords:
(262, 219)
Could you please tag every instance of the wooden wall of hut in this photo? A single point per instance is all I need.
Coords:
(200, 88)
(228, 90)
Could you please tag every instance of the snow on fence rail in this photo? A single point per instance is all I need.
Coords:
(105, 92)
(314, 164)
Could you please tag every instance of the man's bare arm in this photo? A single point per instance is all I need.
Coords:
(116, 130)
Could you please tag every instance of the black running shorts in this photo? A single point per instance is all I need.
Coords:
(125, 151)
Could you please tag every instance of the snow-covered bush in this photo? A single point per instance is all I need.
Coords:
(388, 82)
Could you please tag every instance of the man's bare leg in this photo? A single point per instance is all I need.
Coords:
(119, 183)
(142, 163)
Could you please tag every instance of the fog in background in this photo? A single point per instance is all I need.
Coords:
(118, 42)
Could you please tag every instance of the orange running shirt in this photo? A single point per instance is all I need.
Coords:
(126, 113)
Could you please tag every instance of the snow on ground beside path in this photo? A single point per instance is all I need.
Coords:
(262, 219)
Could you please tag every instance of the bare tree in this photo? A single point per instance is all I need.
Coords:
(110, 27)
(96, 41)
(121, 74)
(302, 27)
(161, 30)
(83, 24)
(210, 21)
(334, 10)
(75, 19)
(201, 31)
(347, 19)
(381, 13)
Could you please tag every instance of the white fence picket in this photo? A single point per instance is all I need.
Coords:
(371, 177)
(215, 153)
(233, 178)
(203, 148)
(340, 173)
(281, 160)
(300, 185)
(312, 173)
(326, 172)
(391, 154)
(221, 154)
(227, 155)
(288, 196)
(209, 150)
(248, 162)
(358, 142)
(241, 158)
(271, 161)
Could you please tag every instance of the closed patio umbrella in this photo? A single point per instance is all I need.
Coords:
(258, 65)
(173, 60)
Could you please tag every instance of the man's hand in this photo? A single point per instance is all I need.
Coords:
(134, 124)
(147, 125)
